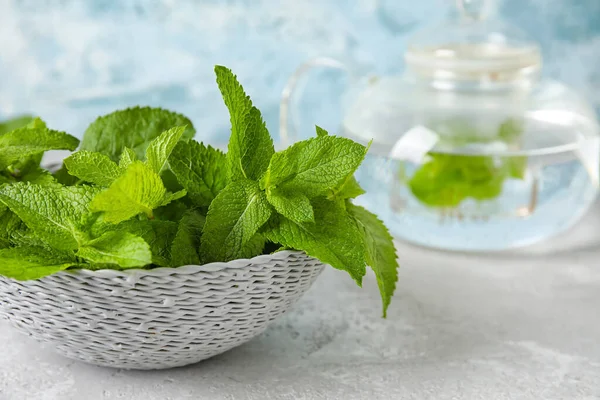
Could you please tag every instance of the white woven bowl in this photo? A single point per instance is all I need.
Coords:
(160, 318)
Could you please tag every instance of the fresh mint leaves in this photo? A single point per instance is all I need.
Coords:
(292, 205)
(160, 149)
(121, 248)
(14, 123)
(138, 191)
(31, 140)
(23, 140)
(93, 168)
(314, 166)
(446, 180)
(184, 249)
(141, 193)
(127, 157)
(51, 211)
(380, 251)
(133, 128)
(201, 170)
(32, 262)
(250, 145)
(234, 217)
(334, 239)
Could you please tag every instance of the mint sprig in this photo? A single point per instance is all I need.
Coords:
(250, 145)
(141, 193)
(133, 128)
(233, 219)
(201, 170)
(446, 180)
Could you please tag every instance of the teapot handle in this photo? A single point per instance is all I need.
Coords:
(287, 128)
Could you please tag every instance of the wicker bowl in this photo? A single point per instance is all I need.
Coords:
(160, 318)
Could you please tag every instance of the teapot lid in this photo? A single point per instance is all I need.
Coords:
(471, 51)
(472, 45)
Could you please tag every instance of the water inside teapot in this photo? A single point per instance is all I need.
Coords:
(529, 182)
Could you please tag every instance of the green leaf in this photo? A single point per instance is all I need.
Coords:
(447, 179)
(255, 246)
(250, 145)
(170, 180)
(517, 166)
(292, 205)
(63, 177)
(314, 166)
(37, 175)
(27, 170)
(158, 234)
(201, 170)
(9, 223)
(93, 167)
(138, 191)
(236, 100)
(321, 131)
(184, 250)
(160, 148)
(380, 251)
(25, 164)
(249, 153)
(134, 128)
(37, 123)
(121, 248)
(169, 197)
(13, 232)
(161, 239)
(53, 212)
(27, 141)
(28, 263)
(173, 211)
(127, 158)
(26, 237)
(349, 189)
(233, 219)
(334, 238)
(511, 130)
(15, 123)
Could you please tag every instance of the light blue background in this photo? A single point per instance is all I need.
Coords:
(71, 60)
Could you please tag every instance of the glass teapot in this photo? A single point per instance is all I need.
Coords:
(471, 149)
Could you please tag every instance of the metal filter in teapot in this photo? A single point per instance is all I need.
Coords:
(472, 149)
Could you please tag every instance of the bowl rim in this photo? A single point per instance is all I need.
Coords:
(239, 263)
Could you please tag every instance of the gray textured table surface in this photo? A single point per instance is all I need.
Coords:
(513, 326)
